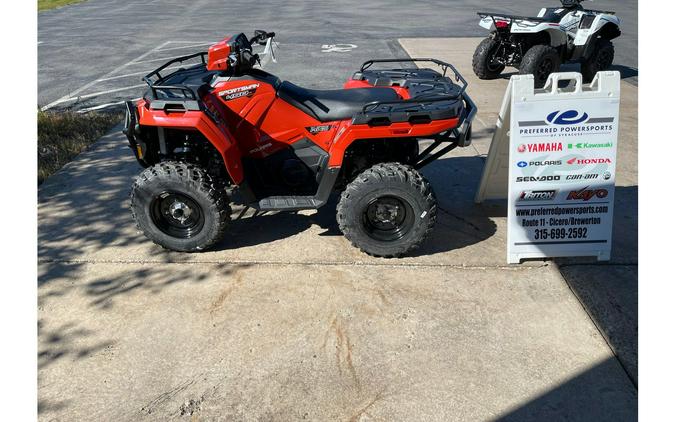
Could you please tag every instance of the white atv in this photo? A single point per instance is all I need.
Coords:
(538, 45)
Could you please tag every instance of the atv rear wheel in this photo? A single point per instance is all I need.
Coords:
(483, 63)
(600, 60)
(180, 207)
(540, 61)
(388, 210)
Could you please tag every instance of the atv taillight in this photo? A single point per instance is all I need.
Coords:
(501, 24)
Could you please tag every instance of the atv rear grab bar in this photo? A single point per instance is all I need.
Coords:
(444, 65)
(510, 17)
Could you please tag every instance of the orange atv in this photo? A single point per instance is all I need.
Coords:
(225, 122)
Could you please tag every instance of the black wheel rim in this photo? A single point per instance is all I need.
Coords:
(388, 218)
(494, 66)
(544, 69)
(177, 215)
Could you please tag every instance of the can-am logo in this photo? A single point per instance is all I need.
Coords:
(569, 117)
(537, 195)
(541, 147)
(586, 194)
(582, 160)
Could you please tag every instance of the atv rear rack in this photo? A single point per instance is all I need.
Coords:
(510, 17)
(434, 97)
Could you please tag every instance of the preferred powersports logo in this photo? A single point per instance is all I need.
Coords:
(566, 123)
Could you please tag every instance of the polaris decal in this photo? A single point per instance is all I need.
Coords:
(318, 129)
(241, 91)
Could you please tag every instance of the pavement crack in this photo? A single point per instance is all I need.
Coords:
(462, 219)
(300, 263)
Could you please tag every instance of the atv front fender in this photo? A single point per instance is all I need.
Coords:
(218, 135)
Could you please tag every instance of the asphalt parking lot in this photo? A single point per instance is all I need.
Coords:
(93, 55)
(285, 320)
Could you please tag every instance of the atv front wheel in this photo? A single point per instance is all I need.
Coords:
(600, 60)
(483, 63)
(180, 207)
(540, 61)
(388, 210)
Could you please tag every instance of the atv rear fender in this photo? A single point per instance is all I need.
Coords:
(140, 115)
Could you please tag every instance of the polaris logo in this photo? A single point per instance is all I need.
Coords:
(569, 117)
(586, 194)
(577, 160)
(541, 147)
(545, 163)
(537, 195)
(522, 164)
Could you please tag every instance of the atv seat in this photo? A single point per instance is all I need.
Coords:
(330, 105)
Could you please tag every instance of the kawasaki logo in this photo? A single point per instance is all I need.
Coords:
(577, 160)
(569, 117)
(583, 145)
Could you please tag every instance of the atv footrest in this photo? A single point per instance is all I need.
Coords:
(288, 203)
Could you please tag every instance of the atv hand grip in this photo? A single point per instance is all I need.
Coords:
(553, 81)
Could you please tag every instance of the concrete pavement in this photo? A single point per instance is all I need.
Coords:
(286, 321)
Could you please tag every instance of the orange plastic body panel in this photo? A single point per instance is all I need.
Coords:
(218, 135)
(218, 55)
(348, 133)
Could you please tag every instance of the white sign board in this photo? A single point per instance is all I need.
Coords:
(561, 161)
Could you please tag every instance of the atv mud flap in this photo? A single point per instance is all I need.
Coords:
(464, 132)
(131, 129)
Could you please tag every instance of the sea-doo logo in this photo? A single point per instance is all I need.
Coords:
(537, 195)
(582, 160)
(569, 117)
(537, 178)
(317, 129)
(541, 147)
(238, 92)
(586, 194)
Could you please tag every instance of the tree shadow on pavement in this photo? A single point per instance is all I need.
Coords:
(609, 290)
(596, 394)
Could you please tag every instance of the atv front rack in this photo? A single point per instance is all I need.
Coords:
(176, 96)
(434, 96)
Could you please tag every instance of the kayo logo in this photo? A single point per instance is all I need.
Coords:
(586, 194)
(569, 117)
